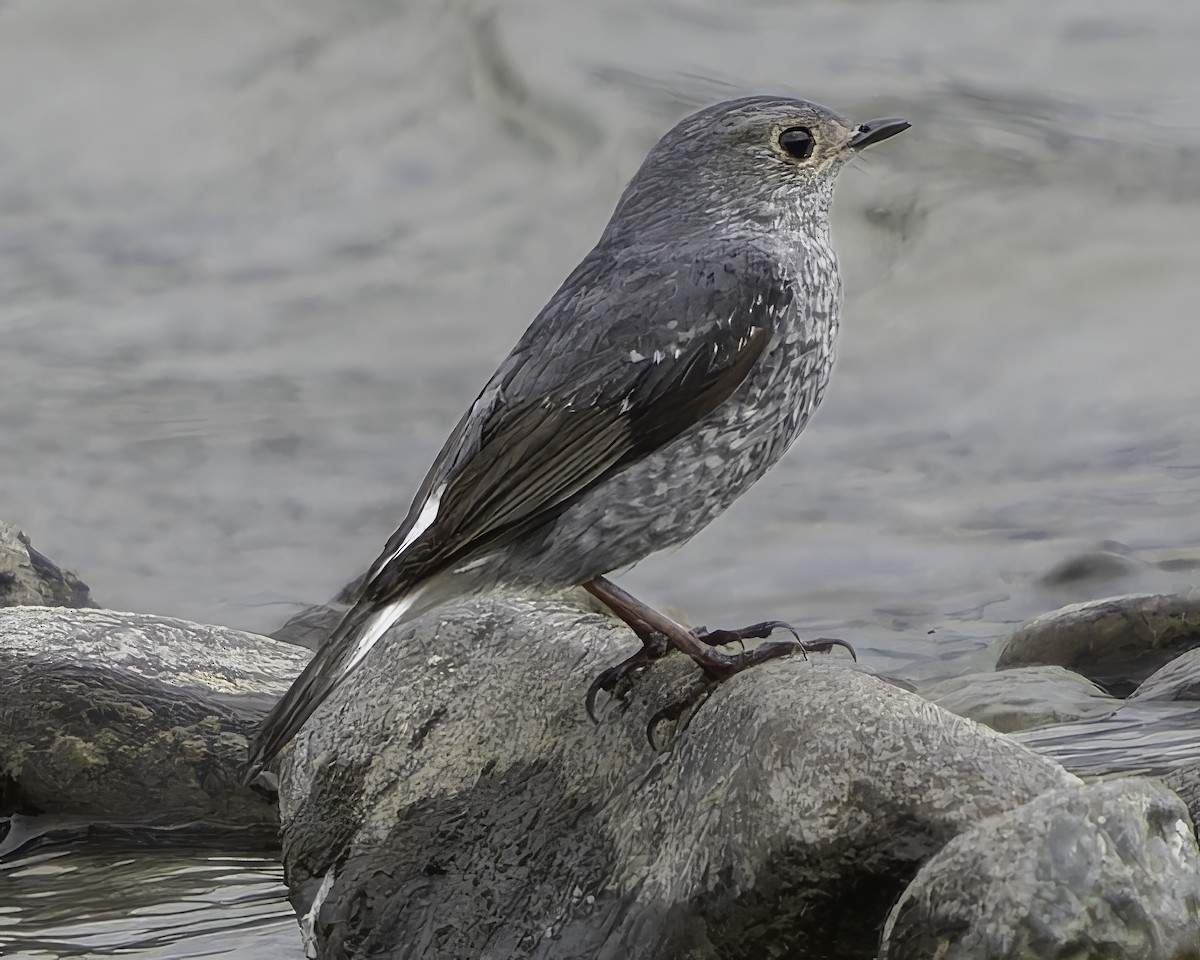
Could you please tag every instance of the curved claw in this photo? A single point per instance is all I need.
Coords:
(604, 681)
(669, 712)
(825, 644)
(756, 631)
(673, 711)
(608, 679)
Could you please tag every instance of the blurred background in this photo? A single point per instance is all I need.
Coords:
(257, 256)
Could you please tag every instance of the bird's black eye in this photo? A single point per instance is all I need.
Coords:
(797, 142)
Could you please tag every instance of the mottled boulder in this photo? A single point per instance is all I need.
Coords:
(1103, 870)
(1116, 642)
(28, 577)
(1022, 698)
(125, 716)
(454, 801)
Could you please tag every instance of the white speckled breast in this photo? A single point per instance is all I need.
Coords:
(667, 498)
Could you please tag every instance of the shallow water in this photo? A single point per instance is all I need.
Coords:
(89, 896)
(258, 256)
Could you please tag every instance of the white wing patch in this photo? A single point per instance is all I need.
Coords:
(377, 626)
(424, 519)
(308, 922)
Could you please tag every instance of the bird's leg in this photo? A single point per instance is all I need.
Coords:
(657, 631)
(655, 645)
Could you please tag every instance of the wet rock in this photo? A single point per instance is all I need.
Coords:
(1022, 698)
(1133, 740)
(1116, 642)
(1177, 680)
(125, 716)
(28, 577)
(455, 801)
(1110, 562)
(1104, 870)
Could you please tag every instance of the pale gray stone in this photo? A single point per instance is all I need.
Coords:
(1103, 870)
(1185, 783)
(1022, 698)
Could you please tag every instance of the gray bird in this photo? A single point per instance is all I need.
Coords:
(671, 369)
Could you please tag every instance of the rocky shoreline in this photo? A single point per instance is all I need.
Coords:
(456, 801)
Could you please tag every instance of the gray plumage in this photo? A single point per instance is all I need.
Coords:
(671, 369)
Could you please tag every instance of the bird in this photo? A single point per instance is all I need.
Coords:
(672, 368)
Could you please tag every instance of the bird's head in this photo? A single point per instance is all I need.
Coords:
(754, 162)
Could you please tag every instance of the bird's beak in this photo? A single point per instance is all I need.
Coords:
(874, 131)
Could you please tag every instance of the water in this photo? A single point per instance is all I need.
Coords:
(256, 257)
(142, 895)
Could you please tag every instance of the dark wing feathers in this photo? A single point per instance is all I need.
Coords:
(548, 427)
(626, 357)
(693, 386)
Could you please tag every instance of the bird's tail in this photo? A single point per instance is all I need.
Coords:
(358, 632)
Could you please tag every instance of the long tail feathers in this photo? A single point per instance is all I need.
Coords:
(345, 649)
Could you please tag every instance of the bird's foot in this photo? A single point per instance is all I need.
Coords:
(615, 681)
(718, 666)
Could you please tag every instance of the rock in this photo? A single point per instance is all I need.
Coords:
(454, 801)
(27, 577)
(1110, 561)
(1116, 642)
(125, 716)
(1103, 870)
(1185, 783)
(1134, 740)
(1022, 698)
(312, 626)
(1177, 680)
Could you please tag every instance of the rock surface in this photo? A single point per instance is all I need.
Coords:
(454, 800)
(28, 577)
(1022, 698)
(312, 626)
(1177, 680)
(1185, 783)
(1135, 740)
(1116, 642)
(125, 716)
(1103, 870)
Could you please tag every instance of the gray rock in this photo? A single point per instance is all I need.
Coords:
(1177, 680)
(1138, 739)
(1022, 698)
(28, 577)
(1103, 870)
(1110, 561)
(1185, 783)
(454, 800)
(312, 626)
(130, 717)
(1116, 642)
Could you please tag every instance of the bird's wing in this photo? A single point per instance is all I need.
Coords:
(591, 388)
(583, 395)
